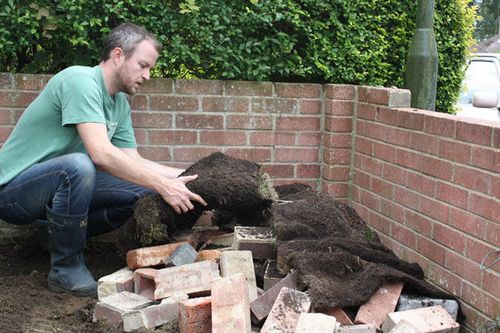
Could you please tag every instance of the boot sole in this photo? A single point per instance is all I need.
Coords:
(58, 289)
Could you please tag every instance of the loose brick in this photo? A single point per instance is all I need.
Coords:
(434, 319)
(195, 315)
(286, 311)
(364, 328)
(230, 305)
(132, 321)
(263, 304)
(259, 240)
(410, 303)
(182, 255)
(122, 280)
(340, 315)
(166, 282)
(315, 323)
(144, 282)
(211, 255)
(112, 308)
(272, 275)
(404, 327)
(154, 315)
(232, 262)
(150, 256)
(379, 305)
(399, 98)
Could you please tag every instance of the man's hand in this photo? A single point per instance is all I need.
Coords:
(178, 196)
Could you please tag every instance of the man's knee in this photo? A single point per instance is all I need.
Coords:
(80, 170)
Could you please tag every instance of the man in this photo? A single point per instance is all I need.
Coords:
(71, 161)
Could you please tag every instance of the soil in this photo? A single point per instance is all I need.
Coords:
(340, 260)
(26, 305)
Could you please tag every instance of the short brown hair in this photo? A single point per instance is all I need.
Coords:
(127, 36)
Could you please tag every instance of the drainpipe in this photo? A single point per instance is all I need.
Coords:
(422, 62)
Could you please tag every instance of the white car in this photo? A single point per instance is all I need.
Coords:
(480, 97)
(482, 75)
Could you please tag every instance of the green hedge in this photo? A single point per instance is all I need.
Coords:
(340, 41)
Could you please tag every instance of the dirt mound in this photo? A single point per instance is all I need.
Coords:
(340, 260)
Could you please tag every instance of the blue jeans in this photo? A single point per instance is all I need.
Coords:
(69, 185)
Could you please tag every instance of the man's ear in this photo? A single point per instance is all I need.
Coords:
(117, 55)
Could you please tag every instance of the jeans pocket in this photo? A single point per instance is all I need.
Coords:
(14, 213)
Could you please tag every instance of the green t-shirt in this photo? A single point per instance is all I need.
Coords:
(47, 127)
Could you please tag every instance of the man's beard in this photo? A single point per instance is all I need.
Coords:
(122, 83)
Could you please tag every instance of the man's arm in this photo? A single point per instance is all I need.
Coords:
(163, 170)
(119, 164)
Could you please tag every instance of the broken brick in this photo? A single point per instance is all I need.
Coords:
(144, 282)
(259, 240)
(150, 256)
(286, 310)
(121, 280)
(153, 315)
(434, 319)
(261, 306)
(272, 275)
(231, 305)
(380, 304)
(187, 279)
(232, 262)
(112, 308)
(195, 315)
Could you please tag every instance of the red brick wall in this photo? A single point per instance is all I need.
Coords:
(427, 182)
(277, 125)
(430, 184)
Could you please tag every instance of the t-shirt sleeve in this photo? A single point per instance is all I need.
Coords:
(80, 100)
(124, 135)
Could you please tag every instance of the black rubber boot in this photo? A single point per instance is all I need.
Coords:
(40, 234)
(67, 236)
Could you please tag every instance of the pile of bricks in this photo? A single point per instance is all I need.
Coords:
(216, 290)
